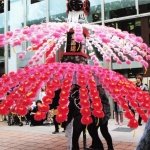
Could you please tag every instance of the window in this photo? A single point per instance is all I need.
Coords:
(149, 39)
(95, 17)
(149, 22)
(144, 8)
(2, 6)
(35, 1)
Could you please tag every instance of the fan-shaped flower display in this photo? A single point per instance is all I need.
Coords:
(47, 38)
(106, 77)
(108, 41)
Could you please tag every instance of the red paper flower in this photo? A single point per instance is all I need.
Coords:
(93, 92)
(61, 117)
(134, 104)
(50, 93)
(97, 105)
(82, 83)
(44, 78)
(63, 101)
(125, 106)
(43, 107)
(8, 102)
(63, 109)
(144, 117)
(133, 123)
(139, 110)
(86, 120)
(98, 113)
(64, 93)
(96, 98)
(83, 96)
(85, 111)
(66, 88)
(83, 90)
(31, 95)
(129, 115)
(21, 110)
(84, 103)
(47, 100)
(3, 110)
(145, 105)
(26, 102)
(14, 95)
(39, 116)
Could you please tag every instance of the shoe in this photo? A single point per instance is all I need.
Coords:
(117, 123)
(92, 148)
(55, 132)
(63, 131)
(140, 124)
(31, 125)
(120, 124)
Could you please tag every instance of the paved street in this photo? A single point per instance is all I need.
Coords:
(41, 137)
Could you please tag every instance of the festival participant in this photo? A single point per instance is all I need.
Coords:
(103, 124)
(53, 107)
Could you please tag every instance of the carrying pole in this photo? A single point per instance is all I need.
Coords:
(84, 139)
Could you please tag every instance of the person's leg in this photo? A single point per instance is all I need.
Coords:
(106, 135)
(121, 117)
(78, 127)
(56, 124)
(75, 139)
(117, 118)
(132, 110)
(140, 120)
(93, 132)
(64, 126)
(32, 120)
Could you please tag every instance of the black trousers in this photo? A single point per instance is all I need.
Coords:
(96, 142)
(56, 124)
(78, 127)
(106, 134)
(34, 122)
(93, 132)
(139, 120)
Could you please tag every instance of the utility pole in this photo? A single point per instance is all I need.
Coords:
(5, 31)
(105, 64)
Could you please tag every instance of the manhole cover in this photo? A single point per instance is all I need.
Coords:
(122, 129)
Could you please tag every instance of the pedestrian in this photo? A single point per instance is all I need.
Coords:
(118, 114)
(140, 84)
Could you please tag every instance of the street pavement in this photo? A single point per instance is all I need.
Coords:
(41, 138)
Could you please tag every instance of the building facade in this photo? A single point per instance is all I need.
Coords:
(128, 15)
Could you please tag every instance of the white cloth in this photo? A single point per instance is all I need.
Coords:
(68, 132)
(41, 95)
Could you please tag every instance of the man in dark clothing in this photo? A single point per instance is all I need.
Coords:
(54, 106)
(103, 124)
(74, 113)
